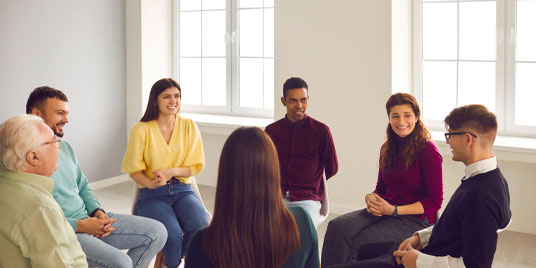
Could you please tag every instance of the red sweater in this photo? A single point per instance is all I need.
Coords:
(305, 151)
(422, 181)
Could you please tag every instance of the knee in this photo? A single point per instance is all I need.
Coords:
(120, 260)
(335, 226)
(174, 236)
(160, 235)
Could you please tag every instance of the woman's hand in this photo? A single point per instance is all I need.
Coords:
(370, 207)
(377, 206)
(164, 174)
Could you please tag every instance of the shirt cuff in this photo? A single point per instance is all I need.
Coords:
(424, 235)
(424, 260)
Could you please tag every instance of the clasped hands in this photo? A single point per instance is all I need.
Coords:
(377, 206)
(99, 226)
(408, 252)
(162, 176)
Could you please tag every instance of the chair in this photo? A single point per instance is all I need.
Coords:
(324, 208)
(159, 261)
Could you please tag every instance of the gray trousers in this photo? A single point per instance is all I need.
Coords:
(347, 233)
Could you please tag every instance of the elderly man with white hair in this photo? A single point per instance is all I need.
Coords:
(33, 229)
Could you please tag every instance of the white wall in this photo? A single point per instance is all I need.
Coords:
(149, 51)
(79, 48)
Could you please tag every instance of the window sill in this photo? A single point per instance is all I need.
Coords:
(224, 124)
(506, 148)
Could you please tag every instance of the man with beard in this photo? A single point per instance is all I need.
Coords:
(101, 234)
(305, 149)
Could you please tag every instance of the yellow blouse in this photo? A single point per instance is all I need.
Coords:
(148, 151)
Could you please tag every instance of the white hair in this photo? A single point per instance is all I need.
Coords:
(19, 135)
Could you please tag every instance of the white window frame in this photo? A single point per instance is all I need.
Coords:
(232, 60)
(505, 67)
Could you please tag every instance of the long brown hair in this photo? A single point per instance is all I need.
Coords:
(151, 112)
(416, 140)
(251, 226)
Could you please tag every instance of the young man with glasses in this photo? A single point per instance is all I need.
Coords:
(466, 233)
(100, 234)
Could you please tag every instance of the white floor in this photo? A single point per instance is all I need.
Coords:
(514, 250)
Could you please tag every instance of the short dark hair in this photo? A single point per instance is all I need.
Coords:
(151, 112)
(39, 95)
(293, 83)
(474, 116)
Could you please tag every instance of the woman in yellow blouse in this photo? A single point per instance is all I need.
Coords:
(163, 151)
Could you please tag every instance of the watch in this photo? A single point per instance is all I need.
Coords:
(395, 213)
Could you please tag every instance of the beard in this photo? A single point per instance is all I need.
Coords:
(56, 132)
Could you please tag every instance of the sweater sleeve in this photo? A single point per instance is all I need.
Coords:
(133, 160)
(195, 157)
(431, 172)
(329, 157)
(479, 229)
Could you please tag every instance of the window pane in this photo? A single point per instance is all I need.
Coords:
(439, 89)
(269, 32)
(214, 82)
(190, 5)
(525, 94)
(251, 83)
(268, 3)
(249, 3)
(269, 84)
(214, 33)
(190, 81)
(251, 33)
(478, 36)
(526, 31)
(476, 84)
(439, 39)
(213, 4)
(190, 34)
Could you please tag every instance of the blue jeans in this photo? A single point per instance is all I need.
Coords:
(143, 238)
(176, 206)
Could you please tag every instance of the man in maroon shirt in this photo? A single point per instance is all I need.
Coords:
(306, 151)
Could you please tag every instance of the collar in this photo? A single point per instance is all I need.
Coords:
(480, 167)
(297, 123)
(28, 178)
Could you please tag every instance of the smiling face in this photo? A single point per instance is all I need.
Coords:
(402, 119)
(296, 103)
(55, 114)
(169, 101)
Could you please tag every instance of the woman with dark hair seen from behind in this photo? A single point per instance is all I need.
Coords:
(408, 193)
(251, 226)
(163, 151)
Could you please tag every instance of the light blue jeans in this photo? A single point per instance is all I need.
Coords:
(312, 207)
(176, 206)
(143, 238)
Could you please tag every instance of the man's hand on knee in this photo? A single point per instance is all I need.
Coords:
(95, 226)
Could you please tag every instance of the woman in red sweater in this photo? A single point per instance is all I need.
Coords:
(408, 193)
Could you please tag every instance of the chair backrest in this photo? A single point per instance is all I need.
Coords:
(324, 209)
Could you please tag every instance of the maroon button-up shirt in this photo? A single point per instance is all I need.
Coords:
(305, 151)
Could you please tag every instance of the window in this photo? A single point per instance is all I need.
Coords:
(224, 56)
(477, 51)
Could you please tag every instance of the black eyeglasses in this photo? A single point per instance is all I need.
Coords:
(448, 134)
